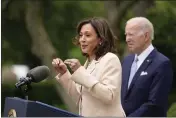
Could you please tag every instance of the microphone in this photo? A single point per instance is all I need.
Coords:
(35, 75)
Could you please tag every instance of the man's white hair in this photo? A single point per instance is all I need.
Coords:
(145, 24)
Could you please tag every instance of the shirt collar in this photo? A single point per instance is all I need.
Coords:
(145, 53)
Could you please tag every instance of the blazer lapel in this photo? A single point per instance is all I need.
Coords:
(143, 67)
(91, 67)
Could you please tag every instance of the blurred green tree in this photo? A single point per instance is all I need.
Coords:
(47, 28)
(35, 31)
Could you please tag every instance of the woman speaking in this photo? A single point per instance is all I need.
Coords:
(96, 86)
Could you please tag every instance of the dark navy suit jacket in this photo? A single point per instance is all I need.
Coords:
(147, 95)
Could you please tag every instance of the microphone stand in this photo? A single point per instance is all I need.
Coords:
(24, 90)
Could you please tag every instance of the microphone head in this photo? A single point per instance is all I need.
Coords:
(38, 73)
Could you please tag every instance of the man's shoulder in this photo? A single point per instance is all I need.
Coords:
(161, 58)
(127, 57)
(160, 61)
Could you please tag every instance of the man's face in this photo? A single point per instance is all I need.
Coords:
(135, 37)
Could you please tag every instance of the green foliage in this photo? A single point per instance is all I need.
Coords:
(61, 20)
(172, 97)
(15, 41)
(163, 17)
(172, 111)
(15, 10)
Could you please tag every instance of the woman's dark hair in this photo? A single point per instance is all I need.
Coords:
(103, 31)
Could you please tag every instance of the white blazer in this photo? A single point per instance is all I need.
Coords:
(100, 94)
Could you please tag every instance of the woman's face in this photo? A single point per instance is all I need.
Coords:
(88, 39)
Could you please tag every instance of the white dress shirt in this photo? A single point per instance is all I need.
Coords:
(144, 55)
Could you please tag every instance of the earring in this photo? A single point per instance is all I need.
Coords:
(100, 43)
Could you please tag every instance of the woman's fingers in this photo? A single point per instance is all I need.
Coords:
(74, 64)
(54, 63)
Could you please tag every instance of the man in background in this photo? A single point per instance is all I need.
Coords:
(146, 73)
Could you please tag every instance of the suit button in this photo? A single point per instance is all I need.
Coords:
(126, 101)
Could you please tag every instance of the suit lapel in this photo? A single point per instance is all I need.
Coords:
(143, 67)
(126, 72)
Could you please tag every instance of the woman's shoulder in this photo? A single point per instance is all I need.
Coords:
(110, 60)
(109, 56)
